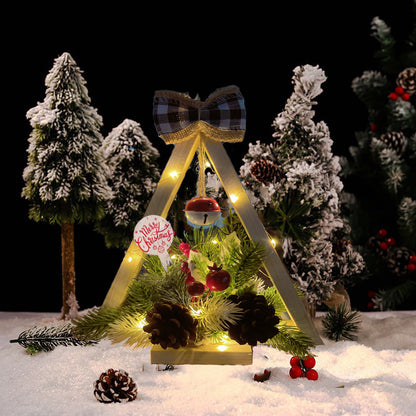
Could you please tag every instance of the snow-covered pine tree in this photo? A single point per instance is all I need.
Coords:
(381, 169)
(293, 182)
(65, 181)
(132, 176)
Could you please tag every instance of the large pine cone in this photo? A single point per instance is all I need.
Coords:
(259, 320)
(398, 260)
(407, 80)
(115, 386)
(265, 171)
(395, 140)
(170, 325)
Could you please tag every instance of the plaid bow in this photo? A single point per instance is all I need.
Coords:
(222, 116)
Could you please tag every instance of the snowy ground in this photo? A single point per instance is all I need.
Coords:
(374, 376)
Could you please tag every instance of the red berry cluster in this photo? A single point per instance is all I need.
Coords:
(399, 92)
(387, 242)
(303, 368)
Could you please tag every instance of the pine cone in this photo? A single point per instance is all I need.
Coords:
(170, 325)
(265, 171)
(407, 80)
(258, 322)
(340, 246)
(398, 260)
(394, 140)
(115, 386)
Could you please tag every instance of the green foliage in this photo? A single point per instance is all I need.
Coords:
(292, 341)
(340, 323)
(213, 311)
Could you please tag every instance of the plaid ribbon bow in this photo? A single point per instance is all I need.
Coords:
(222, 116)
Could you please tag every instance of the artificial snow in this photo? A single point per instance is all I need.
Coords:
(375, 375)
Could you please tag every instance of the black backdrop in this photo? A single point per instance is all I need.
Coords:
(126, 53)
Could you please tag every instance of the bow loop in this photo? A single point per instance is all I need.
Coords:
(222, 116)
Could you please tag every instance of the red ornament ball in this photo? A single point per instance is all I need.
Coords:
(309, 362)
(217, 279)
(202, 210)
(312, 375)
(196, 289)
(411, 267)
(295, 372)
(393, 96)
(412, 259)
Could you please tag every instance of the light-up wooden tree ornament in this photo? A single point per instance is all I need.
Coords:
(193, 125)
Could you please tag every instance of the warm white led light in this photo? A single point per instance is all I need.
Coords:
(233, 198)
(174, 174)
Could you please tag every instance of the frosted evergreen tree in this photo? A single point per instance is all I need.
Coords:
(295, 185)
(132, 176)
(381, 169)
(65, 180)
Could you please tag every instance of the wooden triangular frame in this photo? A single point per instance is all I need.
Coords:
(168, 186)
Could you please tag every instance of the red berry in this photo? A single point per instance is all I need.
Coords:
(312, 375)
(218, 279)
(294, 361)
(196, 288)
(185, 267)
(189, 278)
(370, 305)
(309, 362)
(399, 90)
(393, 96)
(412, 259)
(384, 246)
(391, 241)
(411, 267)
(295, 372)
(382, 233)
(405, 96)
(373, 127)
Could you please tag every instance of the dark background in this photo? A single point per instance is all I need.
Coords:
(126, 53)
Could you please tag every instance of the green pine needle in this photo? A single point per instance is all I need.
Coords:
(129, 329)
(291, 340)
(341, 324)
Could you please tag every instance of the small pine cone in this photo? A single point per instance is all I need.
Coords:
(170, 325)
(265, 171)
(407, 80)
(115, 386)
(398, 260)
(394, 140)
(340, 246)
(259, 320)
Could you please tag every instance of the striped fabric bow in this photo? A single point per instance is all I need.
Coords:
(222, 116)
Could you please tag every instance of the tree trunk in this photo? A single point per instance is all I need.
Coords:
(69, 303)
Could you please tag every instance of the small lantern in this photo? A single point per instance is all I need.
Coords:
(202, 210)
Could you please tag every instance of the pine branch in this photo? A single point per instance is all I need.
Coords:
(129, 329)
(395, 296)
(216, 314)
(291, 340)
(95, 324)
(341, 324)
(46, 339)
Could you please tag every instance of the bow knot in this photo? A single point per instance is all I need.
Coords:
(222, 115)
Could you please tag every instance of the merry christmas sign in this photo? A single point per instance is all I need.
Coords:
(154, 235)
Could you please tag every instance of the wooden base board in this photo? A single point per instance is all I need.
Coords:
(220, 354)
